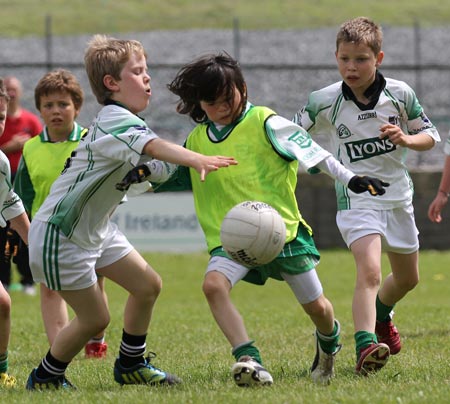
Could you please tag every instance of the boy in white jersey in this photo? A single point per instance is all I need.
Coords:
(58, 97)
(372, 122)
(443, 193)
(268, 147)
(72, 235)
(11, 209)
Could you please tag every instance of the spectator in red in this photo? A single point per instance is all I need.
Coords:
(20, 126)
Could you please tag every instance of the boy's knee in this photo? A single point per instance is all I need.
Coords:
(212, 288)
(101, 322)
(150, 289)
(409, 284)
(318, 308)
(371, 280)
(104, 324)
(155, 286)
(5, 303)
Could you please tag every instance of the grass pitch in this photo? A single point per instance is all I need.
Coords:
(189, 344)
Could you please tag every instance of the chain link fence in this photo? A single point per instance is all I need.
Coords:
(281, 69)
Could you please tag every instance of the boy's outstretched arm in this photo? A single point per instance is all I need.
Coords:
(173, 153)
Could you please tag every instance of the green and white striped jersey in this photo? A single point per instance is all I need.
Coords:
(84, 196)
(355, 142)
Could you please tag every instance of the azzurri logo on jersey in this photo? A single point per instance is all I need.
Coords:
(367, 115)
(367, 148)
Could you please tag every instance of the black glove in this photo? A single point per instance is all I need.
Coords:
(373, 185)
(12, 244)
(134, 176)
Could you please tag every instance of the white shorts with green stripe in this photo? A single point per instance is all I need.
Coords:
(63, 265)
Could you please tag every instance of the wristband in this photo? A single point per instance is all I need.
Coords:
(447, 194)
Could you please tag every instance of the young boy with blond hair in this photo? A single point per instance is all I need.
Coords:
(72, 236)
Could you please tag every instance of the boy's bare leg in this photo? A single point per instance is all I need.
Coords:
(91, 316)
(216, 288)
(136, 276)
(54, 312)
(404, 277)
(371, 354)
(367, 255)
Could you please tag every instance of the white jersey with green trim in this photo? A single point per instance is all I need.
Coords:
(84, 196)
(11, 204)
(355, 139)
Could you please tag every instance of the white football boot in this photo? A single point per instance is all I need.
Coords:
(322, 369)
(247, 372)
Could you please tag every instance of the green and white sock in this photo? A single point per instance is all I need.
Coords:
(330, 343)
(363, 339)
(247, 348)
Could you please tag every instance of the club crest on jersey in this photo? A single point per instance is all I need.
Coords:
(367, 148)
(302, 139)
(343, 132)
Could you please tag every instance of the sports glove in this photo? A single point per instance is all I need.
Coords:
(135, 176)
(12, 244)
(372, 185)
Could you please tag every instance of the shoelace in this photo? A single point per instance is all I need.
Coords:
(148, 360)
(65, 383)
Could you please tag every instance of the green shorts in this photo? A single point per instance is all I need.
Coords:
(298, 256)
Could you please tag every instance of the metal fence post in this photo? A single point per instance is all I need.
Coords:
(236, 39)
(48, 41)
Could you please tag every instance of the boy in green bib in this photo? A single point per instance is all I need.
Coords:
(269, 148)
(58, 97)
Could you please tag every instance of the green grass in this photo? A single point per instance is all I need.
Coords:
(27, 17)
(189, 343)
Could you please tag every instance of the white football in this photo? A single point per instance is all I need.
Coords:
(253, 233)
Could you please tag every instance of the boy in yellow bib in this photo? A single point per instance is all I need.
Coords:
(269, 148)
(58, 97)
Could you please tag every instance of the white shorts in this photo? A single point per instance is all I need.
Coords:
(63, 265)
(306, 286)
(396, 227)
